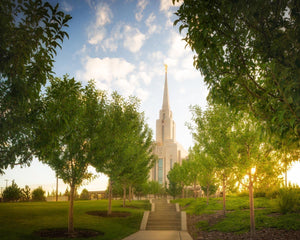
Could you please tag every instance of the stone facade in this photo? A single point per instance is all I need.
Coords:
(166, 148)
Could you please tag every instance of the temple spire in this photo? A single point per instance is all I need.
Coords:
(166, 105)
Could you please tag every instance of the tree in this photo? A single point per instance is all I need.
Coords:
(174, 188)
(253, 156)
(178, 175)
(38, 194)
(211, 131)
(63, 132)
(84, 195)
(249, 54)
(124, 147)
(12, 193)
(30, 33)
(26, 193)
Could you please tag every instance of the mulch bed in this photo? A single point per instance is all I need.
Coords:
(63, 233)
(263, 234)
(104, 214)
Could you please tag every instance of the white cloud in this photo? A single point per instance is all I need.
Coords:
(66, 6)
(142, 94)
(141, 5)
(165, 5)
(133, 39)
(96, 36)
(105, 70)
(103, 14)
(152, 28)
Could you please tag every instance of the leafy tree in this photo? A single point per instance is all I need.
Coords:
(26, 193)
(253, 156)
(12, 193)
(211, 131)
(30, 32)
(63, 135)
(38, 194)
(84, 195)
(174, 189)
(178, 175)
(124, 147)
(249, 54)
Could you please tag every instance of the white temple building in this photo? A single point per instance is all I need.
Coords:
(166, 148)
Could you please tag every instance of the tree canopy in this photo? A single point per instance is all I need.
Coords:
(30, 33)
(248, 52)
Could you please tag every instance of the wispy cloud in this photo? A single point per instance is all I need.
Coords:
(152, 28)
(103, 14)
(141, 5)
(133, 39)
(67, 7)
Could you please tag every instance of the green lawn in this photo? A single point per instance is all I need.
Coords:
(237, 218)
(20, 220)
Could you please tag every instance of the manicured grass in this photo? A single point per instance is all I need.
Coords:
(20, 220)
(237, 218)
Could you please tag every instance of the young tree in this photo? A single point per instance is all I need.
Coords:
(253, 156)
(125, 146)
(64, 127)
(26, 193)
(84, 195)
(177, 175)
(30, 32)
(12, 193)
(249, 55)
(211, 132)
(38, 194)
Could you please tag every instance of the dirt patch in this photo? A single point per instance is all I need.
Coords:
(104, 214)
(63, 233)
(264, 234)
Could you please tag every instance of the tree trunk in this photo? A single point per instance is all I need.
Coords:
(195, 193)
(182, 192)
(129, 193)
(124, 195)
(224, 195)
(71, 211)
(251, 201)
(109, 197)
(207, 194)
(56, 194)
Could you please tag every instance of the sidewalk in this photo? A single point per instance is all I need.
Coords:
(159, 235)
(164, 222)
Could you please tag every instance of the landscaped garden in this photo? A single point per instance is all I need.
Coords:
(28, 220)
(272, 220)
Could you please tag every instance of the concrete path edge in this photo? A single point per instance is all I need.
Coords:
(144, 220)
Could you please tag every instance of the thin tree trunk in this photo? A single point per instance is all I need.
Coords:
(195, 194)
(124, 195)
(224, 195)
(251, 201)
(109, 197)
(56, 194)
(207, 194)
(129, 193)
(71, 211)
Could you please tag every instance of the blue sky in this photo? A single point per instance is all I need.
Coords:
(123, 45)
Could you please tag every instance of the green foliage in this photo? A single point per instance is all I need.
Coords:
(84, 195)
(30, 32)
(12, 193)
(246, 64)
(38, 194)
(26, 193)
(174, 189)
(288, 199)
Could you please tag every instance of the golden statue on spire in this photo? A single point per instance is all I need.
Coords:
(166, 67)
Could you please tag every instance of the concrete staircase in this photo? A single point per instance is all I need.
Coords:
(164, 216)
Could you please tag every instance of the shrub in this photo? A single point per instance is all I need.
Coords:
(84, 194)
(12, 193)
(288, 199)
(258, 194)
(38, 194)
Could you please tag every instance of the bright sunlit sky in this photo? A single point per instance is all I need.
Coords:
(123, 45)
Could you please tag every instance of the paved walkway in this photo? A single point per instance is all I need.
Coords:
(163, 223)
